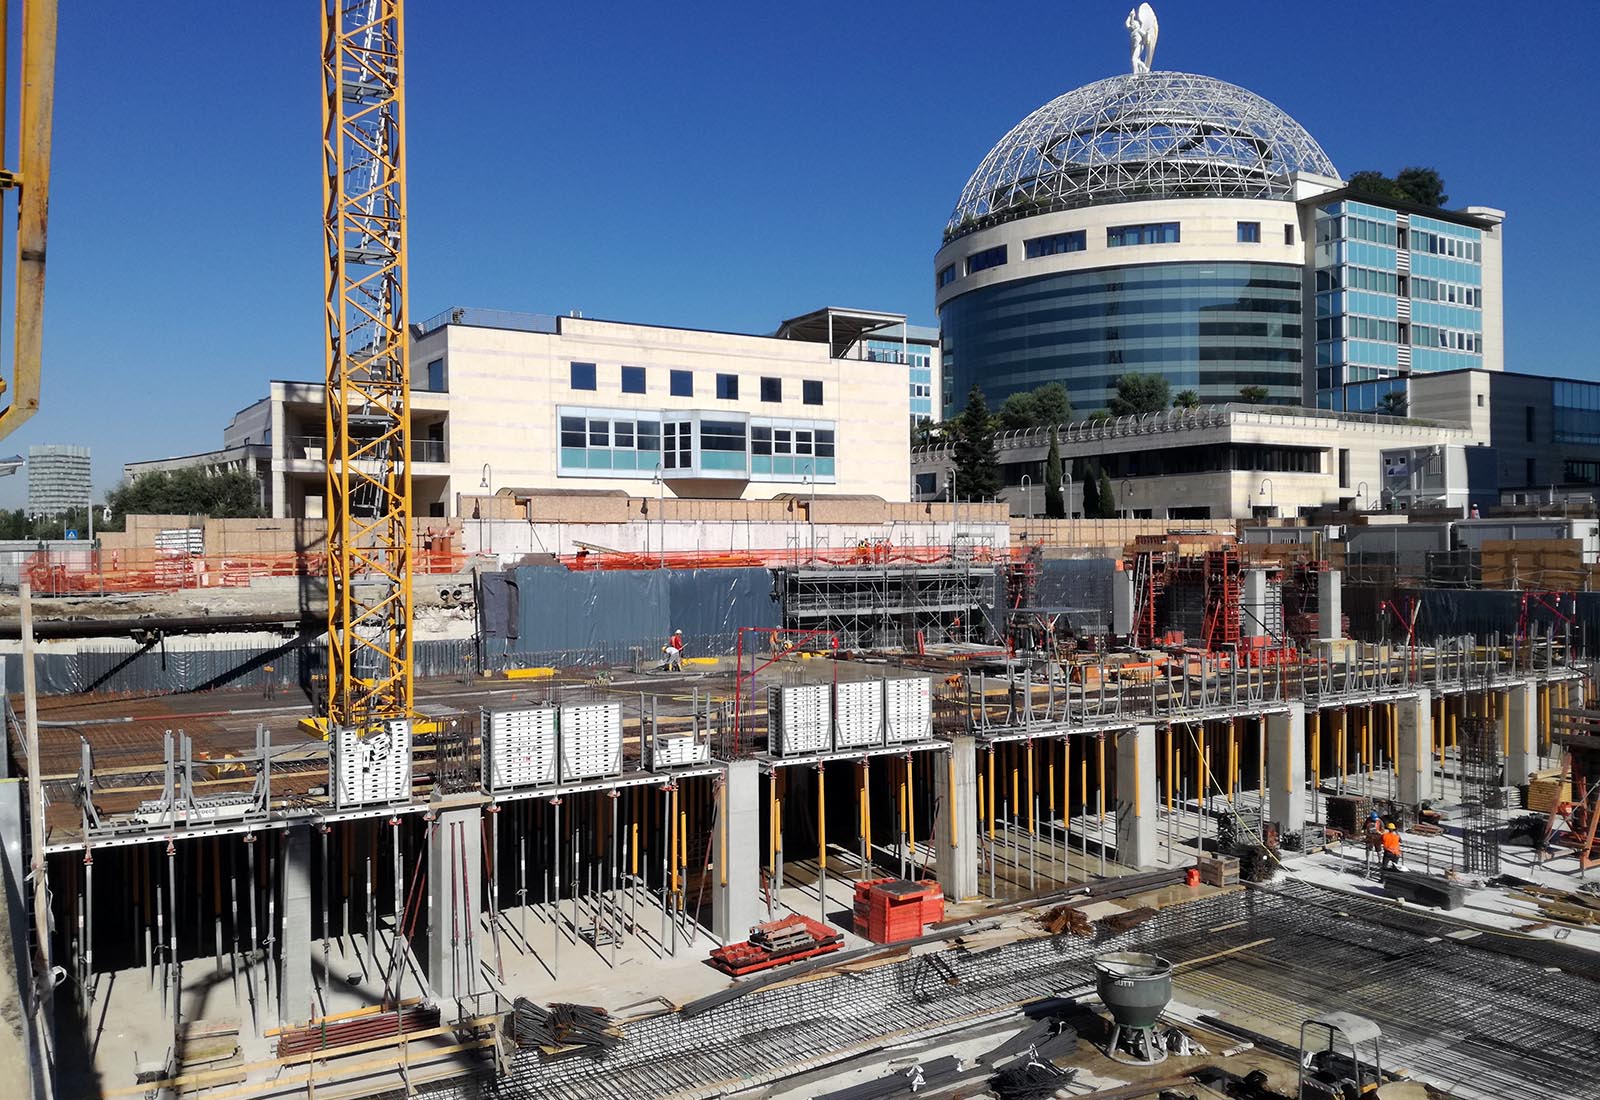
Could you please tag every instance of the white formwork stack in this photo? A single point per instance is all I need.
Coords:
(799, 719)
(373, 769)
(591, 741)
(519, 747)
(858, 714)
(677, 750)
(908, 709)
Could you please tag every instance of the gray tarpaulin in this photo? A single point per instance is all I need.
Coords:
(549, 615)
(1076, 582)
(1451, 612)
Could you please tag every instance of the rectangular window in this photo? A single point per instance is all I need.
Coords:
(632, 379)
(1249, 232)
(681, 383)
(1480, 401)
(436, 376)
(1288, 235)
(572, 431)
(677, 445)
(1152, 233)
(721, 435)
(772, 389)
(760, 441)
(1344, 468)
(622, 434)
(1055, 244)
(811, 391)
(782, 441)
(989, 257)
(599, 433)
(649, 436)
(728, 387)
(947, 275)
(1527, 423)
(583, 376)
(802, 441)
(824, 442)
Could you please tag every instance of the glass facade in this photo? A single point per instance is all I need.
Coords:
(1210, 327)
(1577, 411)
(1394, 294)
(919, 357)
(1151, 233)
(630, 443)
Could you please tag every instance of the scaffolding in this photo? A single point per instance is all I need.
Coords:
(892, 606)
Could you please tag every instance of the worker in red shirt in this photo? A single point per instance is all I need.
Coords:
(1391, 849)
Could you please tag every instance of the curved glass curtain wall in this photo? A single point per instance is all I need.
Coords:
(1210, 327)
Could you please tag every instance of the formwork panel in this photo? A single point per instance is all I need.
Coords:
(798, 719)
(908, 709)
(519, 747)
(371, 769)
(858, 714)
(591, 741)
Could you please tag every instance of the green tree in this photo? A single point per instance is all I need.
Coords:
(191, 491)
(1377, 185)
(1108, 497)
(1138, 394)
(1393, 403)
(1423, 185)
(1186, 399)
(1055, 507)
(1091, 492)
(1098, 414)
(1038, 408)
(1253, 395)
(972, 448)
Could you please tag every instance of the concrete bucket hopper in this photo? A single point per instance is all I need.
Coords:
(1135, 988)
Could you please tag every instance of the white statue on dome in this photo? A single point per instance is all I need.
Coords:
(1143, 30)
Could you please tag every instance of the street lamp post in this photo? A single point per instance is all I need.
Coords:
(1361, 490)
(1027, 498)
(1271, 495)
(661, 518)
(1066, 489)
(1127, 499)
(811, 509)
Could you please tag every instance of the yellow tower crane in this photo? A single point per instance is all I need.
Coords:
(368, 365)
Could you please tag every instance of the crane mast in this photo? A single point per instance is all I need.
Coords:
(368, 499)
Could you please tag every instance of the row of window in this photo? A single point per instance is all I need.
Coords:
(1427, 336)
(639, 443)
(1359, 278)
(1359, 328)
(1436, 290)
(680, 383)
(1117, 236)
(1439, 244)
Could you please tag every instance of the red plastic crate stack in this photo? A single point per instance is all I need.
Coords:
(889, 910)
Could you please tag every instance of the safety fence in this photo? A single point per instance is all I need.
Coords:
(90, 571)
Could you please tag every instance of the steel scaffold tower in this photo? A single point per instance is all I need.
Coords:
(368, 502)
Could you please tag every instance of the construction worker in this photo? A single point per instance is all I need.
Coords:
(1391, 849)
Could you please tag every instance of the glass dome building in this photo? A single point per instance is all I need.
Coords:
(1140, 224)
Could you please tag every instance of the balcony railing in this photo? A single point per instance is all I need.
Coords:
(314, 448)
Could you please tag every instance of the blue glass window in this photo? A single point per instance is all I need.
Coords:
(681, 383)
(632, 379)
(728, 387)
(772, 390)
(583, 376)
(1150, 233)
(1055, 244)
(947, 275)
(989, 257)
(436, 376)
(1250, 233)
(811, 391)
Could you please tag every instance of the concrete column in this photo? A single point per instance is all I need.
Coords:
(296, 993)
(1414, 729)
(1286, 769)
(957, 802)
(1254, 619)
(1122, 602)
(736, 903)
(1137, 835)
(1522, 730)
(455, 887)
(1330, 605)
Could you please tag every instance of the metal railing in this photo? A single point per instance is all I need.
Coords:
(314, 449)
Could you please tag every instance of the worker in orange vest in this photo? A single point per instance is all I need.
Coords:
(1391, 849)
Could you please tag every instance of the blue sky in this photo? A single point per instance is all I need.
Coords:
(715, 164)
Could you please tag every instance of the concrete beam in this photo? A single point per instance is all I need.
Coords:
(1522, 733)
(736, 903)
(1286, 769)
(955, 790)
(297, 998)
(1254, 620)
(455, 891)
(1137, 836)
(1414, 732)
(1122, 602)
(1330, 605)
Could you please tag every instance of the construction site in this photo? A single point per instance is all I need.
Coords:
(875, 800)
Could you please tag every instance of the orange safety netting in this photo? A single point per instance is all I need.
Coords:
(864, 554)
(76, 572)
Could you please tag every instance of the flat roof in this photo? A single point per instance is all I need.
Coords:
(1460, 217)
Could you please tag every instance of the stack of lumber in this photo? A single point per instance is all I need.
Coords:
(1534, 563)
(1546, 789)
(1565, 906)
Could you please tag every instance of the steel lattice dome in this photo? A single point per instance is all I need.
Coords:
(1155, 135)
